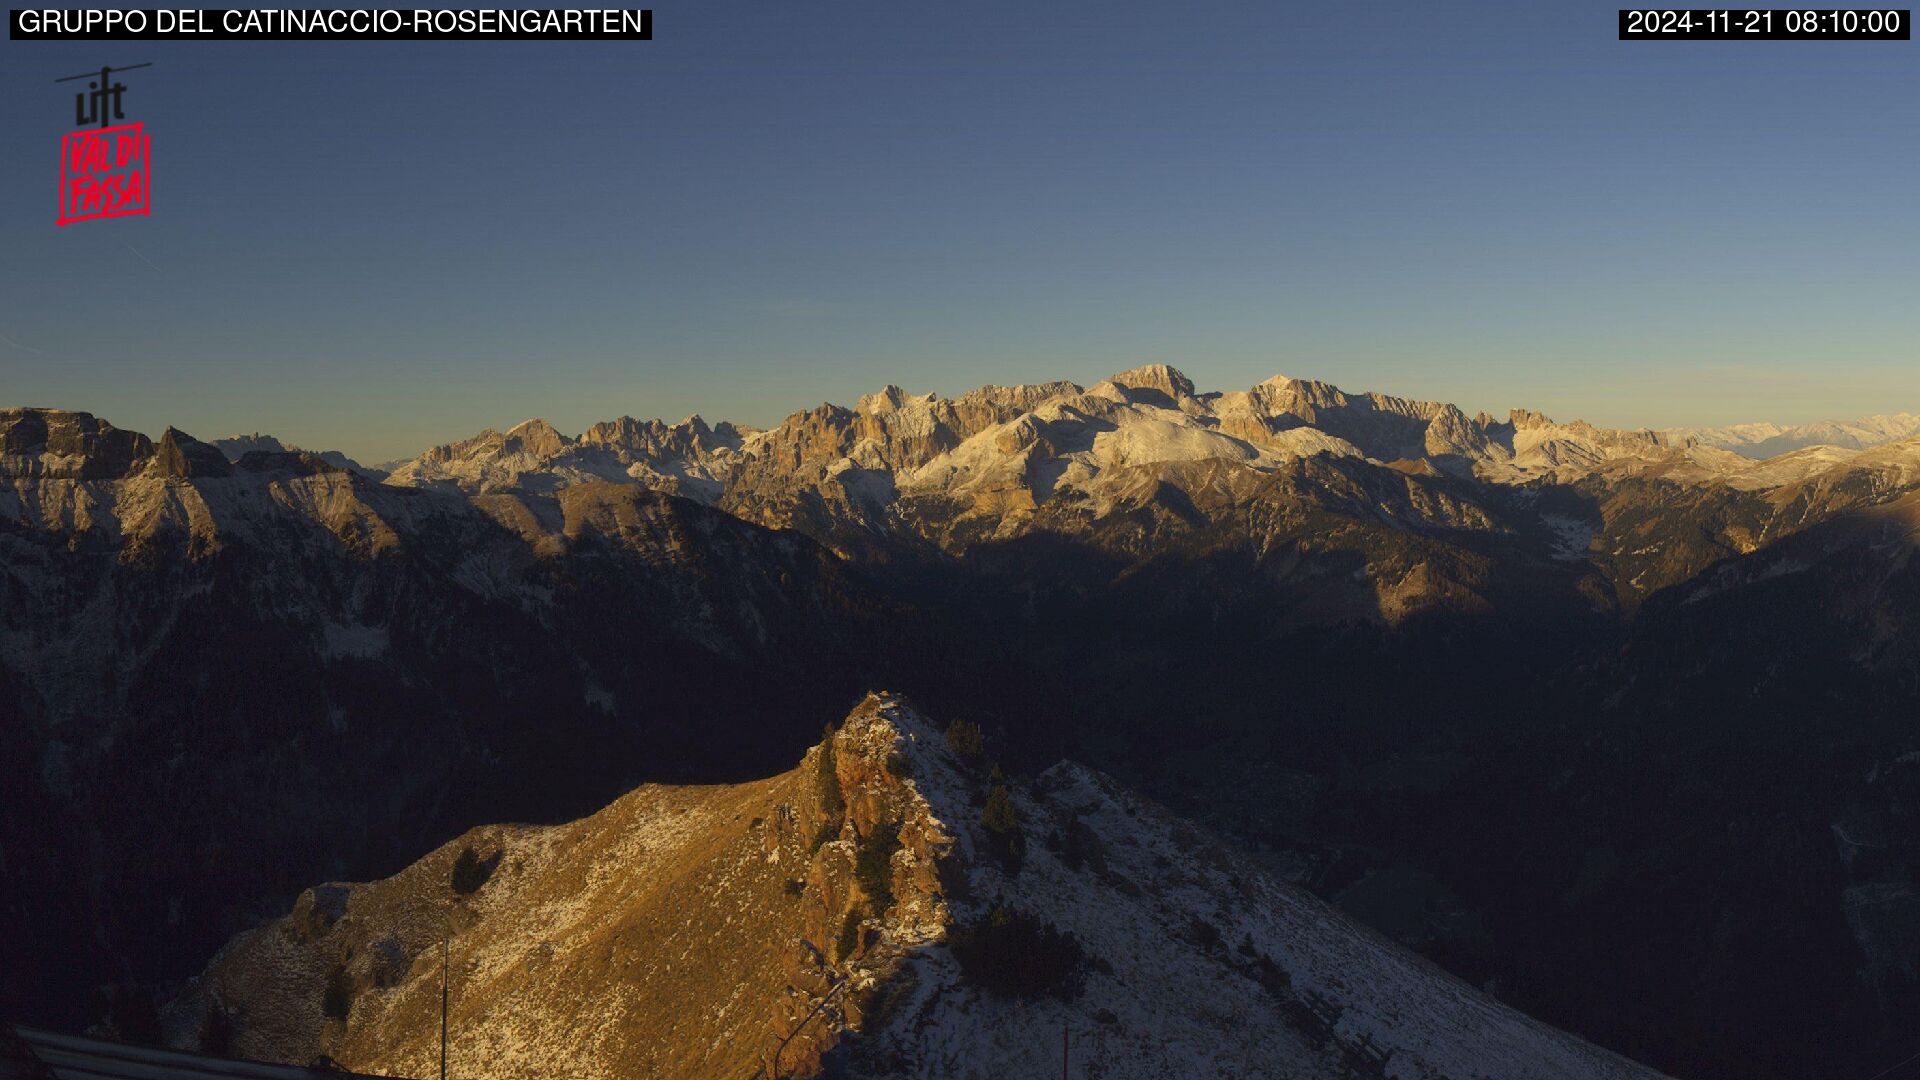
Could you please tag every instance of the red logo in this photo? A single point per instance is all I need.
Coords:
(107, 172)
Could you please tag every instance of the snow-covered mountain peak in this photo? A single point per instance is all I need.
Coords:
(1162, 378)
(536, 436)
(891, 398)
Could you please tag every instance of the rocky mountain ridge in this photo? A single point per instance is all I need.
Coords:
(853, 900)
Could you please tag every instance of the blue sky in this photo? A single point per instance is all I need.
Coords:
(381, 246)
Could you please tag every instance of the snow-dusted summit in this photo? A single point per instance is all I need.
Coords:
(861, 915)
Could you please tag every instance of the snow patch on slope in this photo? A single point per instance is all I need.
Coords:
(1572, 537)
(1201, 962)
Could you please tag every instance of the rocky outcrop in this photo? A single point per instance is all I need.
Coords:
(680, 932)
(56, 444)
(180, 456)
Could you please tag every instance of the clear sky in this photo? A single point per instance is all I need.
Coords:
(381, 246)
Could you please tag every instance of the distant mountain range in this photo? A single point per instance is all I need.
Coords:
(1614, 725)
(238, 446)
(1767, 440)
(1061, 433)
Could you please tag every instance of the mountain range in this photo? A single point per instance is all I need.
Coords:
(1615, 726)
(895, 447)
(1768, 440)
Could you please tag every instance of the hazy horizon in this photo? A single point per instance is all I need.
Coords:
(381, 247)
